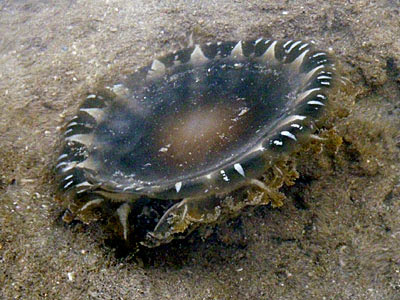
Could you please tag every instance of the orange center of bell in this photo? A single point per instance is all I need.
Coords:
(192, 137)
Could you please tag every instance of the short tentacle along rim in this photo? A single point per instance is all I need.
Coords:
(192, 126)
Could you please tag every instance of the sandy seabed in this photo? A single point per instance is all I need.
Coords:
(336, 237)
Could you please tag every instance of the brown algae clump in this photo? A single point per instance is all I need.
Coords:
(194, 137)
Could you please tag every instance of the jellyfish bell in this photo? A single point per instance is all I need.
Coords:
(193, 126)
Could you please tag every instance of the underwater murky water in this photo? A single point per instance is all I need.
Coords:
(337, 235)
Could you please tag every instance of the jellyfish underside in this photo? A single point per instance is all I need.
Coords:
(196, 131)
